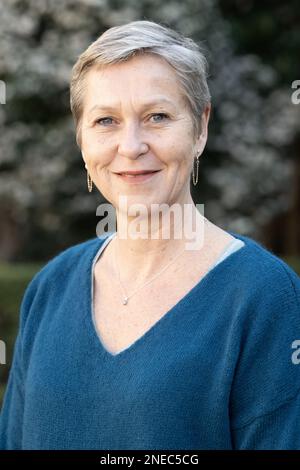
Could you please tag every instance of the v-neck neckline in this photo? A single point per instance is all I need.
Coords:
(166, 316)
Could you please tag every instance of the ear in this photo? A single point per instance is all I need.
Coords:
(201, 140)
(83, 158)
(206, 115)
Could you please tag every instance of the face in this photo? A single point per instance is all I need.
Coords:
(135, 118)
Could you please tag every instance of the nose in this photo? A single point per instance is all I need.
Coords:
(131, 143)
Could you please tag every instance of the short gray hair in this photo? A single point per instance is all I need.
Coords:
(120, 43)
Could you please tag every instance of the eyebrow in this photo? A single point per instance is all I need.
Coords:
(147, 104)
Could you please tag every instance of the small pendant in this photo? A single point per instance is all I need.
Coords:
(125, 301)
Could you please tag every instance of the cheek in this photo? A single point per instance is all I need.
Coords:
(92, 141)
(97, 153)
(184, 161)
(177, 157)
(184, 156)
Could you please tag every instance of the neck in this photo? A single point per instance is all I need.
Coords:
(140, 258)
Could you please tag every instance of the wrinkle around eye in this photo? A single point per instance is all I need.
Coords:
(164, 115)
(102, 119)
(164, 118)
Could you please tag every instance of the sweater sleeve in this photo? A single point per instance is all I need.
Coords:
(265, 396)
(277, 430)
(11, 417)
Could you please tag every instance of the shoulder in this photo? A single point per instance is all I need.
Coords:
(267, 276)
(72, 258)
(62, 271)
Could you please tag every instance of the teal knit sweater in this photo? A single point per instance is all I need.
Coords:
(220, 370)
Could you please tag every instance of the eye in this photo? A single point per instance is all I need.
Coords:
(100, 121)
(160, 115)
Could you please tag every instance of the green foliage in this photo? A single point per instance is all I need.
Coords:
(269, 30)
(2, 390)
(294, 262)
(14, 279)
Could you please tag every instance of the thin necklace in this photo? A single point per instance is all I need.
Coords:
(127, 297)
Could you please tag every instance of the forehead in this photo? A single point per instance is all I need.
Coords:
(139, 79)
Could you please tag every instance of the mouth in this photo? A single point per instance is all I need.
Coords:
(137, 176)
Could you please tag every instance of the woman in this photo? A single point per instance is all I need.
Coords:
(130, 342)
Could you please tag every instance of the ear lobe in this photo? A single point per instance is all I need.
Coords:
(84, 159)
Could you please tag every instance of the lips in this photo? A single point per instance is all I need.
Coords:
(136, 172)
(138, 176)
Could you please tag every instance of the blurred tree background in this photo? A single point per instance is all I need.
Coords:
(250, 170)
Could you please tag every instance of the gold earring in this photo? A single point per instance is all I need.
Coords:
(195, 180)
(89, 182)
